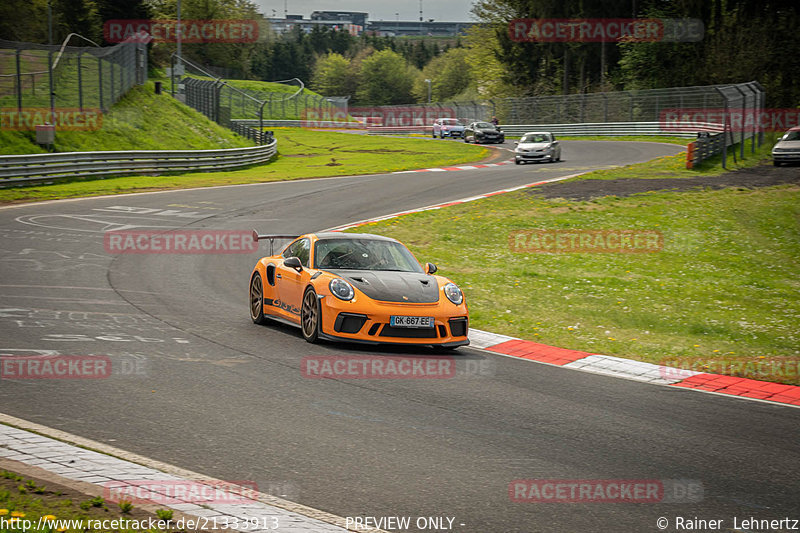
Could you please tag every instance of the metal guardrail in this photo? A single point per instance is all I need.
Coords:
(704, 148)
(685, 130)
(612, 129)
(35, 169)
(314, 124)
(397, 130)
(256, 135)
(578, 130)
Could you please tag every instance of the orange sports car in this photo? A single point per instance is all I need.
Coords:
(357, 287)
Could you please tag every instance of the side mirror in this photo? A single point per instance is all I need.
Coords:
(430, 268)
(555, 142)
(293, 262)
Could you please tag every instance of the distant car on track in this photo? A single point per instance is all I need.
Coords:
(483, 132)
(357, 287)
(447, 127)
(537, 146)
(787, 149)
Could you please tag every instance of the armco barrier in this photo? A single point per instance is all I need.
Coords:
(313, 124)
(704, 148)
(609, 129)
(20, 170)
(515, 130)
(577, 130)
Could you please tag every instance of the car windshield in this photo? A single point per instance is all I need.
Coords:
(484, 125)
(792, 136)
(364, 254)
(451, 122)
(535, 138)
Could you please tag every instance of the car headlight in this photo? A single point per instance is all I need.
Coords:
(341, 289)
(453, 293)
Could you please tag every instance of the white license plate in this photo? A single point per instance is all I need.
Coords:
(411, 321)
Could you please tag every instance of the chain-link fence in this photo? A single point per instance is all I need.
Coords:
(282, 100)
(56, 77)
(425, 114)
(622, 106)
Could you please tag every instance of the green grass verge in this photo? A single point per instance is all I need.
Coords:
(24, 500)
(674, 166)
(302, 154)
(141, 120)
(725, 285)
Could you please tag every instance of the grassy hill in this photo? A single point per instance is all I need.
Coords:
(141, 120)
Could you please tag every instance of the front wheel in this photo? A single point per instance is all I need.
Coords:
(257, 300)
(310, 316)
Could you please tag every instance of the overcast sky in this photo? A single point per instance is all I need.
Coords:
(443, 10)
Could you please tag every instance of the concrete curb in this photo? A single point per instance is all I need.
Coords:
(637, 370)
(95, 467)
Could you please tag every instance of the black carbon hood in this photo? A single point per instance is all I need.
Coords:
(388, 286)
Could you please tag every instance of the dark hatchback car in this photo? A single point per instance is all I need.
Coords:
(483, 132)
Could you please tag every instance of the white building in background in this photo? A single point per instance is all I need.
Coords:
(357, 22)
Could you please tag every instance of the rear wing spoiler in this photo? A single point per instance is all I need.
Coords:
(257, 237)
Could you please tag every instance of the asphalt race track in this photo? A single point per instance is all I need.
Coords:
(204, 389)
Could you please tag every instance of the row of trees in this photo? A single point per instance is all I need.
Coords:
(377, 77)
(301, 55)
(744, 40)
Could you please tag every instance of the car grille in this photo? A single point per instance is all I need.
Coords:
(458, 327)
(408, 333)
(349, 323)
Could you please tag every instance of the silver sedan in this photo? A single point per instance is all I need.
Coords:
(537, 146)
(787, 150)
